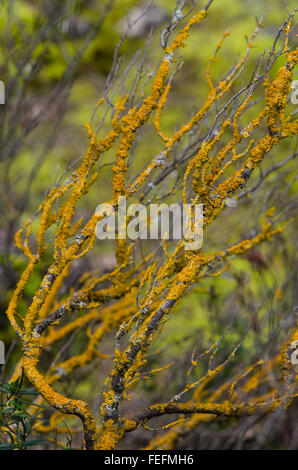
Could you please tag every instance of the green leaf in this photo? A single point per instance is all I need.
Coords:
(8, 446)
(33, 442)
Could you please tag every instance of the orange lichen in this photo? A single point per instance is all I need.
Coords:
(113, 301)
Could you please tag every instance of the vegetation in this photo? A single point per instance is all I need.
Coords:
(198, 342)
(16, 423)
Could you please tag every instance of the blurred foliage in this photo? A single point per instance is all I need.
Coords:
(16, 423)
(248, 288)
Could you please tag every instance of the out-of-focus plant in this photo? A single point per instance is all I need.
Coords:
(16, 423)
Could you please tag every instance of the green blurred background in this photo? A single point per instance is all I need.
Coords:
(50, 97)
